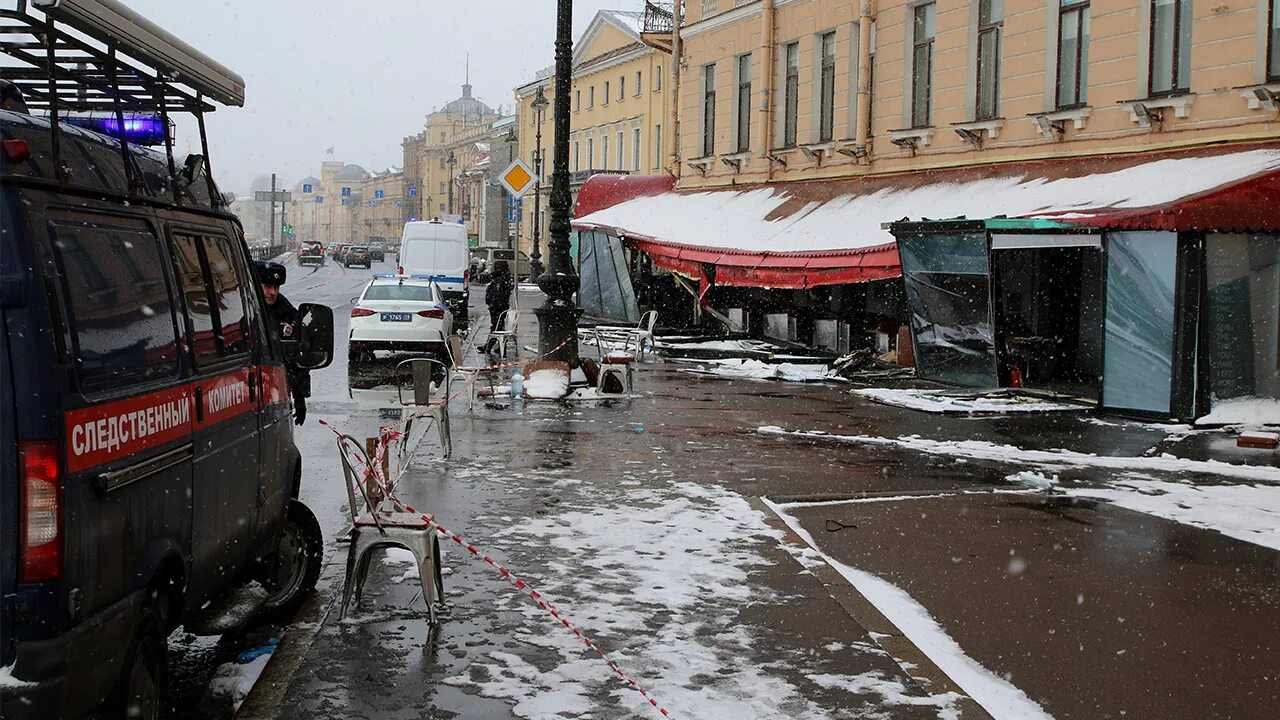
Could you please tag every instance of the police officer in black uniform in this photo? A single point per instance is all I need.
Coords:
(284, 323)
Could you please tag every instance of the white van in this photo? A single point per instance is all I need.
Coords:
(438, 250)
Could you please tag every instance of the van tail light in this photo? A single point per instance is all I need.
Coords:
(41, 531)
(466, 276)
(399, 269)
(437, 313)
(361, 312)
(16, 151)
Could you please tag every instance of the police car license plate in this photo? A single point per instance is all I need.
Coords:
(396, 317)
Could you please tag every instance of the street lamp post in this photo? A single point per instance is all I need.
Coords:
(558, 317)
(535, 259)
(452, 161)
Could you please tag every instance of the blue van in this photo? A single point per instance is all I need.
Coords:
(148, 473)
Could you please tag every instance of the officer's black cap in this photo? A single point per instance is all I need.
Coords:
(269, 273)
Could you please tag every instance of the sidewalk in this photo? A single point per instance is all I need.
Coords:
(648, 523)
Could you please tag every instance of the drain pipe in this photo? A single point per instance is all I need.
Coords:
(767, 18)
(865, 11)
(677, 19)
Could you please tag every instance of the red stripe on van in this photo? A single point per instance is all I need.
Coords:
(106, 432)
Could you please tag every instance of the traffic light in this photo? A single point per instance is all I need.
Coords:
(287, 229)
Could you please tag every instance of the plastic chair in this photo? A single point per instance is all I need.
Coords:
(374, 527)
(643, 331)
(421, 371)
(457, 345)
(509, 322)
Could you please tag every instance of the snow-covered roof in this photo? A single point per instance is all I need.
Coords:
(633, 20)
(848, 215)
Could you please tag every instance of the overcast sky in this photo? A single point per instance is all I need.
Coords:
(357, 76)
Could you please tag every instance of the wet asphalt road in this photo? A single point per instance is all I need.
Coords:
(1177, 622)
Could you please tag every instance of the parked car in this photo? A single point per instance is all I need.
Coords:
(148, 472)
(311, 253)
(482, 260)
(378, 253)
(336, 250)
(438, 250)
(399, 313)
(357, 255)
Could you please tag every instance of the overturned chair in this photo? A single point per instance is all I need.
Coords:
(380, 522)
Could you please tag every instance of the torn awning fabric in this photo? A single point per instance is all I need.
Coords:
(799, 235)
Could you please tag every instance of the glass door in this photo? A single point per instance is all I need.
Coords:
(1137, 371)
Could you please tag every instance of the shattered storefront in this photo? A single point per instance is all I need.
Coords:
(1150, 284)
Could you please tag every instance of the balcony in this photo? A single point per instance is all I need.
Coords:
(659, 21)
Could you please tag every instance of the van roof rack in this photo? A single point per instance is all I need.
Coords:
(100, 57)
(103, 52)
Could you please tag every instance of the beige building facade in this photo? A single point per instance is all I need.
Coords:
(769, 90)
(347, 204)
(618, 109)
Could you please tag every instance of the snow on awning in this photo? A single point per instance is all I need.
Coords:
(824, 232)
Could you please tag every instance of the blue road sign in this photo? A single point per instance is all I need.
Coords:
(319, 199)
(413, 191)
(397, 203)
(378, 194)
(372, 203)
(346, 192)
(344, 201)
(306, 187)
(515, 209)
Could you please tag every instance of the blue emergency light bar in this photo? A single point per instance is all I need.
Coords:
(139, 128)
(393, 276)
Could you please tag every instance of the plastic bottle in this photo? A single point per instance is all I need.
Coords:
(517, 385)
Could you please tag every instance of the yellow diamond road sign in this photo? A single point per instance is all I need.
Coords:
(517, 178)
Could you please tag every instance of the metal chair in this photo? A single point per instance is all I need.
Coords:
(509, 322)
(643, 331)
(421, 371)
(374, 526)
(457, 347)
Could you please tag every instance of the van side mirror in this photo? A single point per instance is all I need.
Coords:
(191, 169)
(315, 336)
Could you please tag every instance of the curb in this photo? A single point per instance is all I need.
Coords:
(914, 663)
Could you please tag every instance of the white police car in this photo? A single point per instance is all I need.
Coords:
(400, 313)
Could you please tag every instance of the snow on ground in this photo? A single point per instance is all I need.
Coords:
(1245, 512)
(658, 578)
(1244, 411)
(9, 682)
(758, 370)
(546, 384)
(233, 681)
(983, 450)
(997, 696)
(947, 401)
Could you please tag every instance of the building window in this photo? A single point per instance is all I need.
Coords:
(990, 24)
(591, 153)
(442, 162)
(1273, 42)
(708, 109)
(826, 85)
(621, 144)
(577, 156)
(709, 7)
(639, 83)
(657, 147)
(657, 79)
(1073, 53)
(921, 63)
(604, 151)
(591, 97)
(622, 88)
(744, 103)
(791, 91)
(577, 100)
(605, 101)
(442, 137)
(444, 186)
(1170, 46)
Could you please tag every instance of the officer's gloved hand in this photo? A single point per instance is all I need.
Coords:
(299, 409)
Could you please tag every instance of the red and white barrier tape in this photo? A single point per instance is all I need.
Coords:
(372, 471)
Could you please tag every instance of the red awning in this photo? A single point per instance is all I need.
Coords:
(800, 235)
